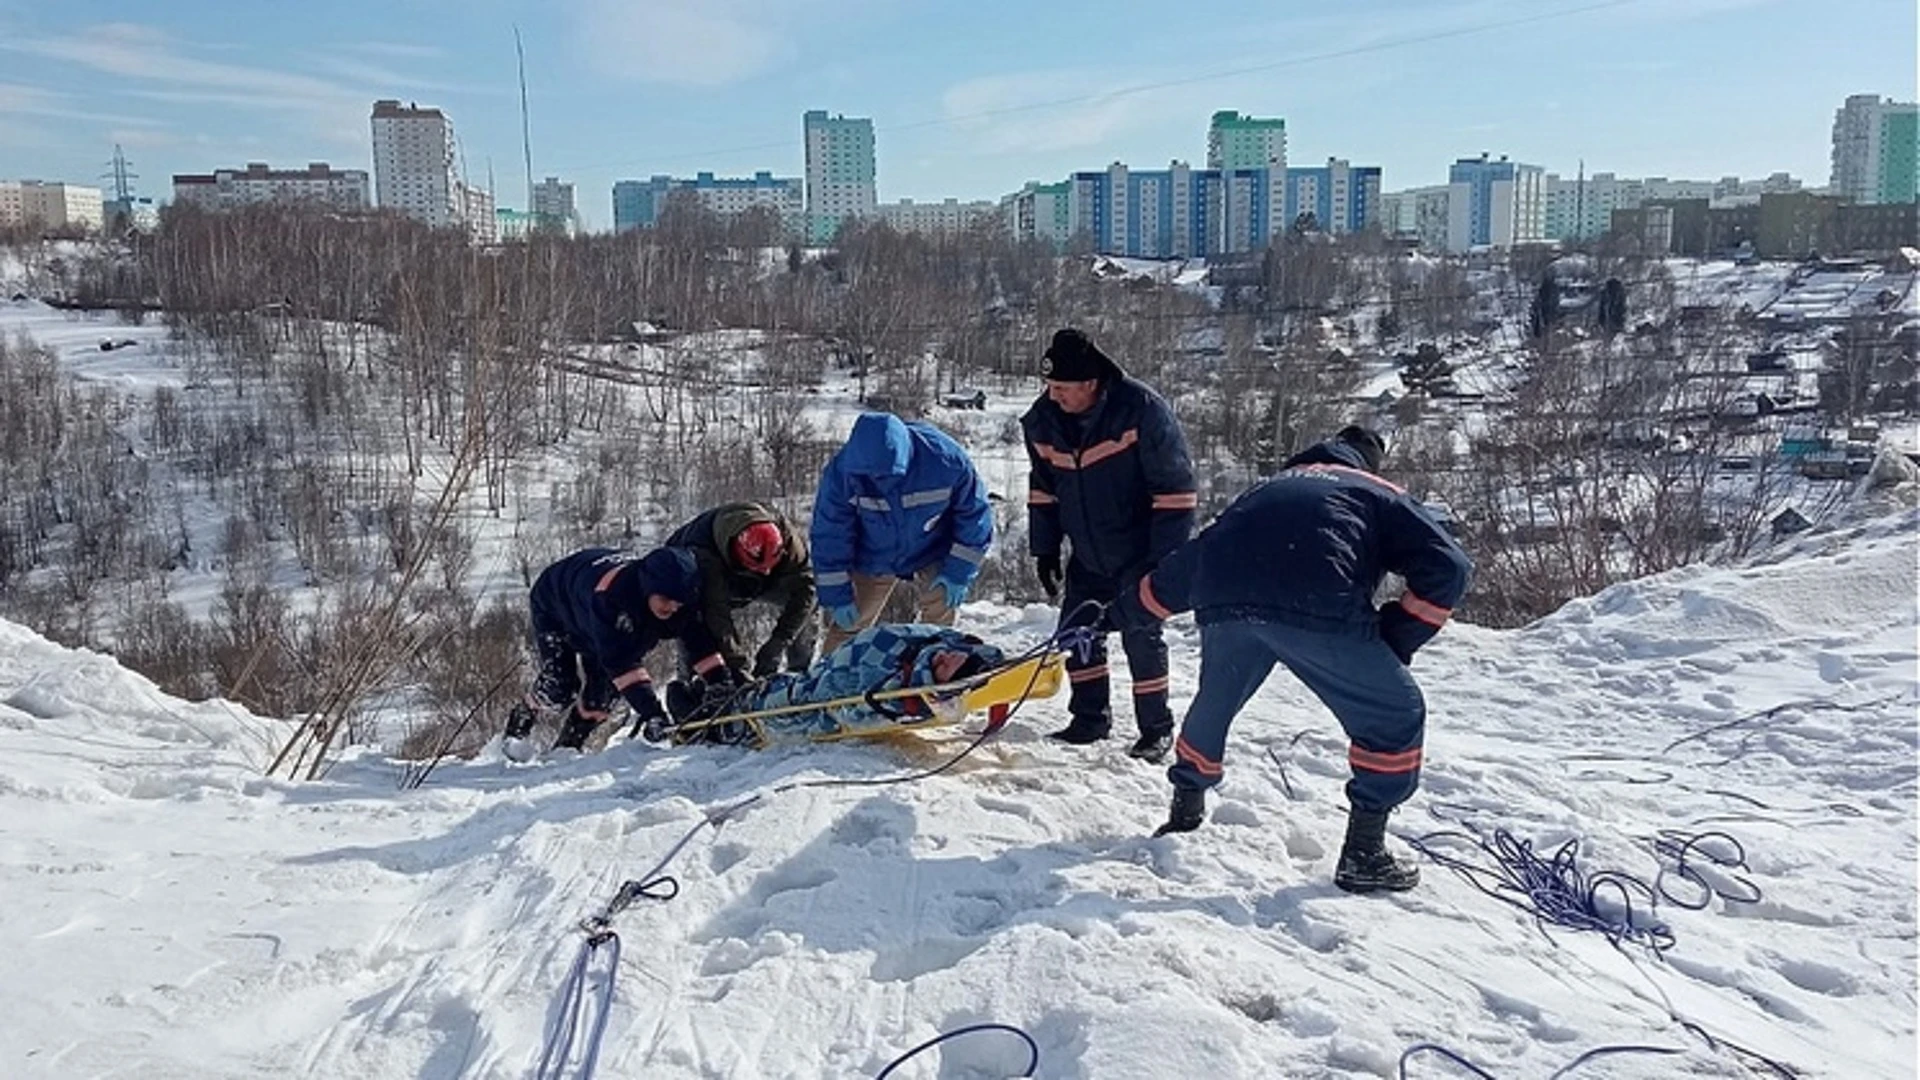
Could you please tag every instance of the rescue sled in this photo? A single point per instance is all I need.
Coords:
(913, 708)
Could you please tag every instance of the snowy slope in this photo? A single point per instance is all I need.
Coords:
(172, 914)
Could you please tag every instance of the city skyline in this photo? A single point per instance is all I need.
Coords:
(961, 108)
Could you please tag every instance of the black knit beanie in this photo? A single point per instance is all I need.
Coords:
(1073, 357)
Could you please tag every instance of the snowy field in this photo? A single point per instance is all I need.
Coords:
(171, 914)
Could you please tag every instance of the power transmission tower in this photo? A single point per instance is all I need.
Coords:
(122, 175)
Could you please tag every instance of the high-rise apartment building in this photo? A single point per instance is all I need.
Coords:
(1246, 142)
(318, 184)
(945, 216)
(840, 172)
(638, 203)
(1496, 204)
(1176, 212)
(553, 205)
(1039, 212)
(415, 164)
(1876, 144)
(1249, 154)
(50, 205)
(477, 213)
(1342, 197)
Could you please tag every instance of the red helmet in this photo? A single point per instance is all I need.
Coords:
(758, 547)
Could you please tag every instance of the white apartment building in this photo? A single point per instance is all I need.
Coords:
(414, 164)
(948, 215)
(840, 172)
(50, 206)
(317, 184)
(1039, 212)
(476, 206)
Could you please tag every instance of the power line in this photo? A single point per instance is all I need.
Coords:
(1149, 87)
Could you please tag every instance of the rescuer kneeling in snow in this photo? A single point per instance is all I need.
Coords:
(1287, 575)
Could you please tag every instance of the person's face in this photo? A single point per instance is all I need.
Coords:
(663, 607)
(1074, 397)
(946, 664)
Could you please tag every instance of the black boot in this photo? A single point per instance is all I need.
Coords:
(1188, 811)
(1365, 864)
(1084, 730)
(573, 733)
(1152, 746)
(519, 721)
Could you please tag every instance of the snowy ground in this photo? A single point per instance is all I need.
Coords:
(172, 914)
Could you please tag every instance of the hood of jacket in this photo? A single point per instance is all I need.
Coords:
(880, 446)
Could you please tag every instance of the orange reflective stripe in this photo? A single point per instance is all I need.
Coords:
(1151, 686)
(709, 663)
(1087, 674)
(1374, 761)
(592, 714)
(637, 675)
(1036, 497)
(606, 579)
(1348, 470)
(1059, 459)
(1205, 765)
(1430, 613)
(1151, 602)
(1099, 452)
(1177, 500)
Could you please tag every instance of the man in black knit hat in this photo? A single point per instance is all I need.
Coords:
(1112, 478)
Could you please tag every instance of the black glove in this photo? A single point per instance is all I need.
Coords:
(767, 661)
(1047, 567)
(1403, 633)
(648, 713)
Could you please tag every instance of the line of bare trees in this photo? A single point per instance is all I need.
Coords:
(356, 393)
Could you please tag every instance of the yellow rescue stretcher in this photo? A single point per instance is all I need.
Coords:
(996, 692)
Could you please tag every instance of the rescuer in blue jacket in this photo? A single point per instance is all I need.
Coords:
(899, 501)
(596, 615)
(1112, 478)
(1287, 575)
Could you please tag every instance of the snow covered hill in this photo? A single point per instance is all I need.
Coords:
(172, 914)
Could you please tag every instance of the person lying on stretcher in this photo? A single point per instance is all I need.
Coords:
(878, 659)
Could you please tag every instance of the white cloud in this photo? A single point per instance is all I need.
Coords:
(21, 100)
(689, 42)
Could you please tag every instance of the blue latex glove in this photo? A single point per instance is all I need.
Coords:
(956, 594)
(845, 616)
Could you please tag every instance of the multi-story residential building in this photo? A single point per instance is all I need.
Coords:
(840, 172)
(1875, 150)
(1249, 156)
(1582, 207)
(1040, 212)
(639, 203)
(414, 164)
(37, 204)
(1342, 198)
(1176, 212)
(553, 205)
(476, 213)
(1494, 204)
(318, 185)
(945, 216)
(1246, 142)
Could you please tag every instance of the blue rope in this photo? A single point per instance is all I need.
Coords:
(573, 999)
(1591, 1055)
(656, 884)
(1033, 1048)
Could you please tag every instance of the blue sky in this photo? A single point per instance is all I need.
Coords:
(969, 99)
